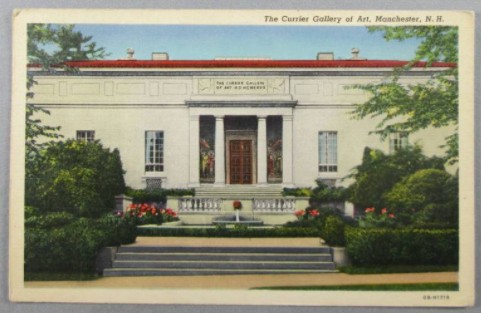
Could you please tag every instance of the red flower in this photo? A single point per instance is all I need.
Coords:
(314, 213)
(391, 215)
(369, 210)
(384, 211)
(299, 213)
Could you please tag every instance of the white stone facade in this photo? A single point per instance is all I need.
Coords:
(120, 103)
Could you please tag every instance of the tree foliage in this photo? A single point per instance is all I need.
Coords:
(379, 172)
(415, 106)
(77, 177)
(49, 46)
(430, 194)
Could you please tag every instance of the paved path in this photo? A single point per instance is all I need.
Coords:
(250, 281)
(245, 281)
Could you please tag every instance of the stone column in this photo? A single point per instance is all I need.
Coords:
(219, 151)
(194, 151)
(261, 150)
(287, 147)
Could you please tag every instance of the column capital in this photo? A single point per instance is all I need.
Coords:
(219, 117)
(287, 118)
(194, 117)
(261, 117)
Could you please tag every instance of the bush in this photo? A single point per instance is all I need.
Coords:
(430, 193)
(379, 172)
(332, 231)
(71, 248)
(78, 177)
(236, 232)
(156, 196)
(118, 230)
(58, 242)
(381, 246)
(50, 221)
(323, 193)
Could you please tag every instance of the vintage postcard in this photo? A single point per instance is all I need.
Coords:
(304, 158)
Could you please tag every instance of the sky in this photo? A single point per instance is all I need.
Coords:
(200, 42)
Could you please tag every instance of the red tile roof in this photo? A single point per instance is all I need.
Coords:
(249, 64)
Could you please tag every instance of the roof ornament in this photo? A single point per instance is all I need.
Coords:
(130, 54)
(355, 54)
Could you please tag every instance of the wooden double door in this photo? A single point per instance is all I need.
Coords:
(241, 161)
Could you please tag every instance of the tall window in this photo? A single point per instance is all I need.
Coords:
(327, 151)
(86, 135)
(154, 151)
(398, 141)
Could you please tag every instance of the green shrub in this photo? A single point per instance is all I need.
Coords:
(332, 231)
(50, 220)
(156, 196)
(323, 193)
(71, 248)
(58, 243)
(297, 192)
(381, 246)
(431, 194)
(378, 173)
(118, 230)
(77, 177)
(236, 232)
(31, 212)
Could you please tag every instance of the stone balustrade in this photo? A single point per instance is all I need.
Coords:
(199, 205)
(280, 205)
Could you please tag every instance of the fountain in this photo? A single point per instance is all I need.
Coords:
(237, 219)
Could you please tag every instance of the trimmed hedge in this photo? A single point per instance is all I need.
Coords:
(236, 232)
(157, 196)
(54, 243)
(380, 246)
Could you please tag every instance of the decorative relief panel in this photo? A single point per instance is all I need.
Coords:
(174, 89)
(130, 88)
(44, 89)
(62, 87)
(345, 89)
(328, 90)
(241, 86)
(307, 89)
(85, 89)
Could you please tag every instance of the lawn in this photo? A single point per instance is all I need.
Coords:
(378, 287)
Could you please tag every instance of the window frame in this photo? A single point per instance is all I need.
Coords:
(83, 136)
(157, 149)
(398, 140)
(330, 165)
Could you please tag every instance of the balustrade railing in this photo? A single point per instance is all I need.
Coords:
(280, 205)
(199, 205)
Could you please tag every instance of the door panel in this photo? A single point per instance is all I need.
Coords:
(240, 161)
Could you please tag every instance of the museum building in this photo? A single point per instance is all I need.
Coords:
(230, 128)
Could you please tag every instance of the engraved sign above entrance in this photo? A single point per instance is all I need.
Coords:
(241, 86)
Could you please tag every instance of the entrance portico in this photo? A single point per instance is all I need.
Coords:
(240, 143)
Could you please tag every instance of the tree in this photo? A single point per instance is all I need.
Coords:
(49, 46)
(410, 108)
(379, 172)
(430, 195)
(78, 177)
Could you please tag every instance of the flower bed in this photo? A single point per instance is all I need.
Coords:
(150, 214)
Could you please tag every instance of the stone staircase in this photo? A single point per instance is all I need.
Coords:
(239, 192)
(220, 260)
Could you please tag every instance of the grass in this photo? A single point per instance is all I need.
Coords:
(379, 287)
(53, 276)
(357, 270)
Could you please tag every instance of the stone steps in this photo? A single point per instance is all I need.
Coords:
(226, 260)
(239, 192)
